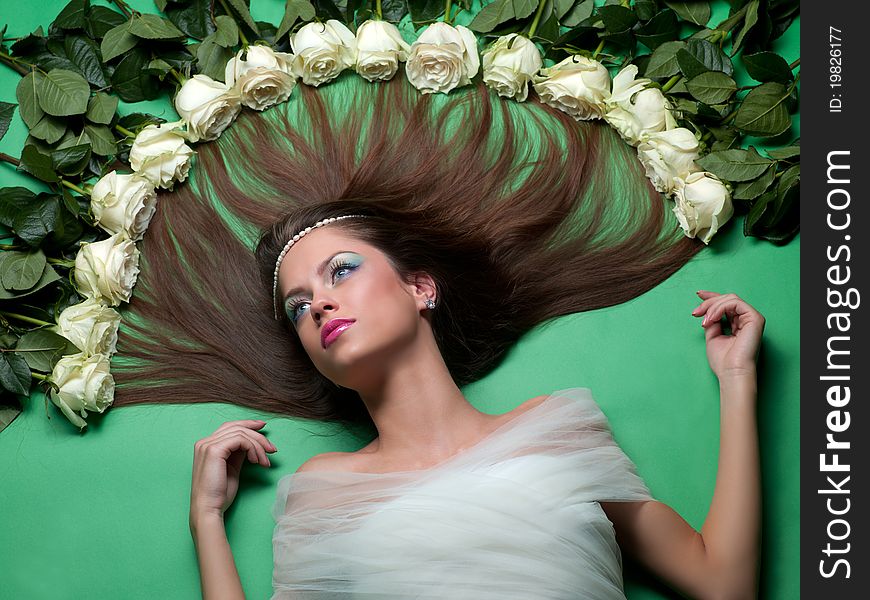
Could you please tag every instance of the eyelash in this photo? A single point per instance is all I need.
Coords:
(334, 268)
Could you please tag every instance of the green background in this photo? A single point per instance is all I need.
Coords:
(104, 514)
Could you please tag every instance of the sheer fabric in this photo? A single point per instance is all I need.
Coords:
(514, 516)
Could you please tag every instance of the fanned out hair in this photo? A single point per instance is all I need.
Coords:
(519, 212)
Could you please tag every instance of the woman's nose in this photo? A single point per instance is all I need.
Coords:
(321, 306)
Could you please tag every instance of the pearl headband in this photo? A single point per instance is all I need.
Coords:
(292, 241)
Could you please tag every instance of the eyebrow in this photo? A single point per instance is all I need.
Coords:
(320, 269)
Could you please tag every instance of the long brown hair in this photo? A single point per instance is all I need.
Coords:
(520, 213)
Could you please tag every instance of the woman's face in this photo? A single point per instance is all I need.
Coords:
(328, 275)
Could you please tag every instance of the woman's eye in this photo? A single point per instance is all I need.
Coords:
(293, 308)
(341, 267)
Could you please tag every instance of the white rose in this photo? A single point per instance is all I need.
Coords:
(160, 154)
(508, 70)
(668, 154)
(578, 86)
(207, 106)
(264, 78)
(322, 51)
(379, 49)
(85, 384)
(634, 109)
(107, 270)
(124, 202)
(702, 204)
(90, 325)
(444, 57)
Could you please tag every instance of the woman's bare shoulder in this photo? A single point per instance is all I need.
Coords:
(330, 461)
(360, 460)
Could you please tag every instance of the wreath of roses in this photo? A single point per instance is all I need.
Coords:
(698, 165)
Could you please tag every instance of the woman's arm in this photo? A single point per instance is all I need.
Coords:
(217, 465)
(720, 562)
(217, 569)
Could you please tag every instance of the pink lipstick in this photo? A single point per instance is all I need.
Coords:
(333, 329)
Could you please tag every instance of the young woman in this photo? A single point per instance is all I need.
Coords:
(427, 509)
(444, 250)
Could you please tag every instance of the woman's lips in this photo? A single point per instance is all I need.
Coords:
(337, 331)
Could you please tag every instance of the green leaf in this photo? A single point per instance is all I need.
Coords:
(22, 270)
(767, 66)
(72, 16)
(524, 8)
(785, 153)
(712, 87)
(49, 129)
(548, 30)
(131, 81)
(28, 104)
(153, 27)
(663, 62)
(581, 11)
(749, 190)
(560, 7)
(63, 93)
(735, 165)
(37, 164)
(71, 160)
(84, 53)
(49, 276)
(193, 18)
(226, 33)
(775, 215)
(617, 19)
(14, 200)
(645, 9)
(100, 20)
(662, 28)
(6, 111)
(700, 56)
(117, 41)
(242, 10)
(35, 223)
(8, 413)
(750, 22)
(212, 58)
(101, 138)
(42, 348)
(101, 108)
(67, 230)
(14, 373)
(697, 12)
(492, 15)
(763, 112)
(293, 10)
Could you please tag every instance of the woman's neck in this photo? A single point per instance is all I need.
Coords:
(418, 410)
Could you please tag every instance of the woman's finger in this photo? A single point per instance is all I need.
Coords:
(249, 423)
(236, 439)
(255, 435)
(708, 298)
(257, 445)
(728, 304)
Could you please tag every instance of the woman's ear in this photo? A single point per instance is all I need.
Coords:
(424, 288)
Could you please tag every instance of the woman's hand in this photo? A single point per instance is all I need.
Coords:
(733, 354)
(217, 463)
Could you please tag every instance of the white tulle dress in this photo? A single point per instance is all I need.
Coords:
(516, 516)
